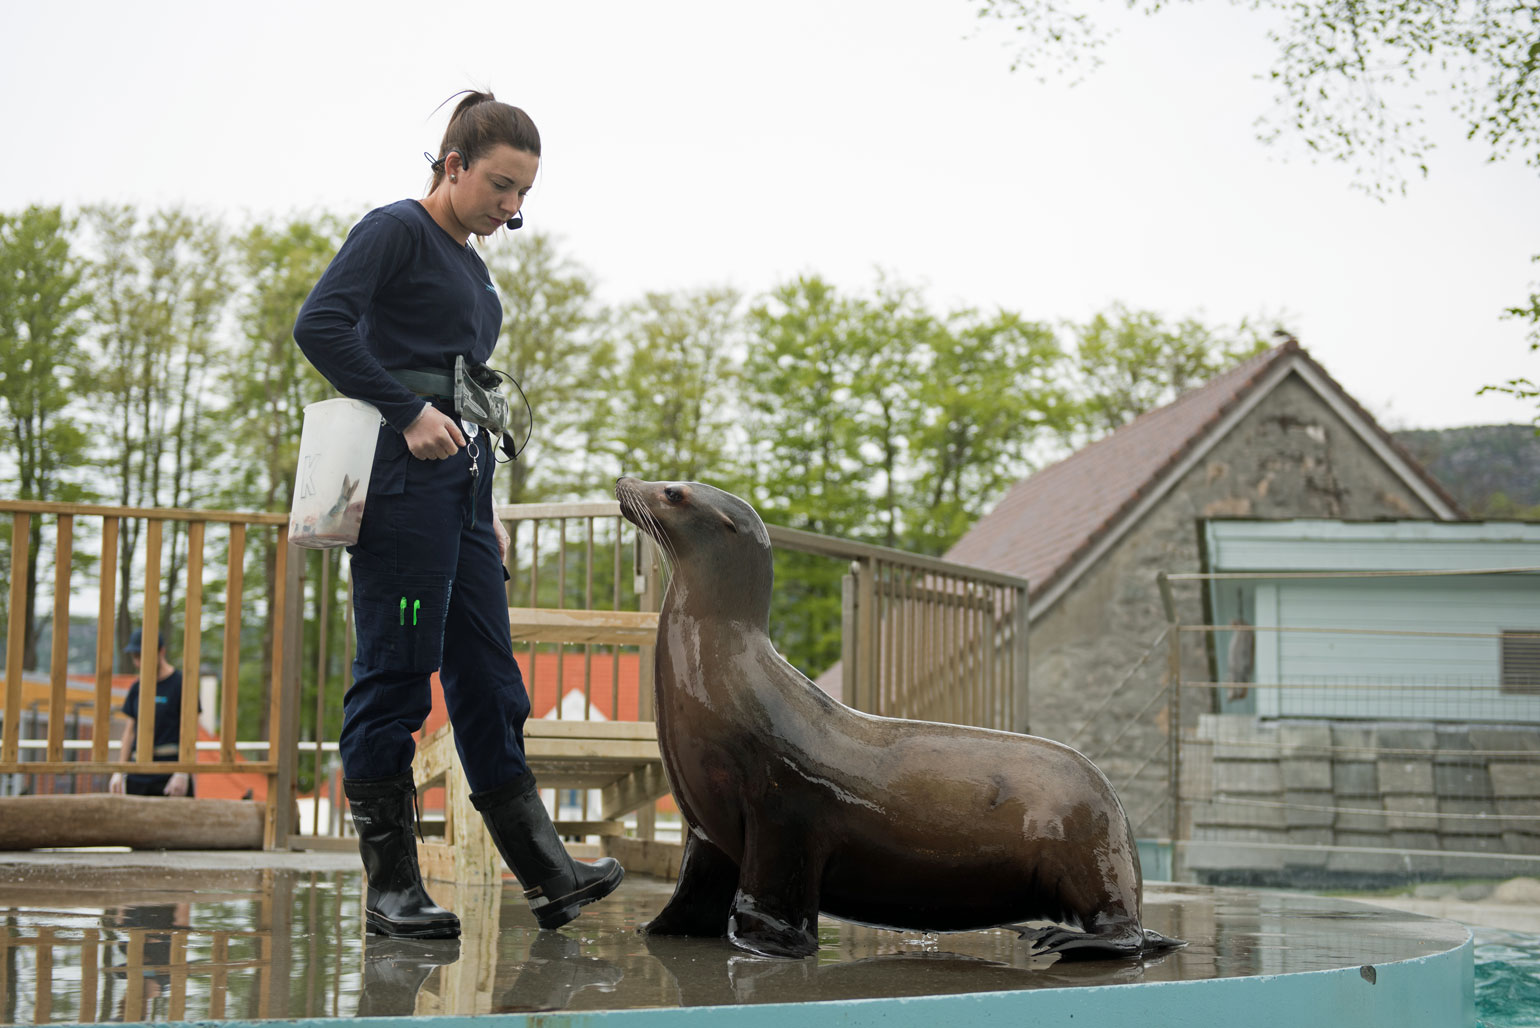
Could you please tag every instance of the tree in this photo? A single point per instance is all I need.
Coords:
(873, 418)
(988, 397)
(160, 285)
(1351, 73)
(1351, 76)
(1523, 387)
(270, 383)
(1127, 362)
(821, 372)
(816, 362)
(668, 377)
(41, 365)
(551, 323)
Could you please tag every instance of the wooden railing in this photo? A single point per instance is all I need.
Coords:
(922, 638)
(926, 638)
(65, 528)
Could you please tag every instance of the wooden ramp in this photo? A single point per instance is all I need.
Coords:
(618, 758)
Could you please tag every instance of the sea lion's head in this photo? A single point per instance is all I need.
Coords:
(715, 542)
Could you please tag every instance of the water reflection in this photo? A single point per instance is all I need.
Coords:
(104, 945)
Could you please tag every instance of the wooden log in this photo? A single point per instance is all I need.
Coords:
(139, 822)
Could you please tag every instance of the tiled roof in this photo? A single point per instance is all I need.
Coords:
(1048, 520)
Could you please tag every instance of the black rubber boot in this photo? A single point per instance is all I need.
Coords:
(394, 970)
(554, 883)
(397, 904)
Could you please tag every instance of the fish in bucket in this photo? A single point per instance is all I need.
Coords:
(336, 454)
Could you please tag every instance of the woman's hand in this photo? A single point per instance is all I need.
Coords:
(433, 435)
(502, 539)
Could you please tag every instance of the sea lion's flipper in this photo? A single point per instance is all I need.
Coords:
(1110, 940)
(775, 912)
(758, 930)
(1154, 942)
(703, 895)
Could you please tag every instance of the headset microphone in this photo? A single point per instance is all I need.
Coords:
(517, 221)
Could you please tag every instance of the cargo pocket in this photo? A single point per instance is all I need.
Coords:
(399, 617)
(387, 476)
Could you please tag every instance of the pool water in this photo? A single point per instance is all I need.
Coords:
(1507, 978)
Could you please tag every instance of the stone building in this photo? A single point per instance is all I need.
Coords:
(1275, 437)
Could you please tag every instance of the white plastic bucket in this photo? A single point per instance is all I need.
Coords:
(336, 454)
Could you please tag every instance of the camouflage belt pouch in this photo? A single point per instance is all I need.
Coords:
(477, 398)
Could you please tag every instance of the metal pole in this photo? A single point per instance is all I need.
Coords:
(1174, 715)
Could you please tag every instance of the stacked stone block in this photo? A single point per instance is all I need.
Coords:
(1314, 789)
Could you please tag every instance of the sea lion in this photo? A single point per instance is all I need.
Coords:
(797, 804)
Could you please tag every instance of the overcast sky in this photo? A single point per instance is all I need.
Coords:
(690, 144)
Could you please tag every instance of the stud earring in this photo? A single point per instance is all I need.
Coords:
(454, 178)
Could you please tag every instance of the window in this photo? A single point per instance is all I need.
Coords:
(1519, 660)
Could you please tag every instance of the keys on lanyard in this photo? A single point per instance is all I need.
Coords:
(472, 430)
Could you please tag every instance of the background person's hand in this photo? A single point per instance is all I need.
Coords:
(116, 783)
(178, 784)
(434, 435)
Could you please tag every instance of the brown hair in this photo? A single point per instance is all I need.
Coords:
(480, 122)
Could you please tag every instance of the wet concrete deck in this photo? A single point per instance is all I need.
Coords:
(88, 938)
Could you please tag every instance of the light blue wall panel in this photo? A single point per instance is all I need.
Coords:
(1451, 671)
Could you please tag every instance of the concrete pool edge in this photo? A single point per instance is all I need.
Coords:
(1431, 991)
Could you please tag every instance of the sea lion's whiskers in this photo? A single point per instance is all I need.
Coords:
(645, 519)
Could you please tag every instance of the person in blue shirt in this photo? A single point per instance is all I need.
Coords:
(168, 726)
(406, 295)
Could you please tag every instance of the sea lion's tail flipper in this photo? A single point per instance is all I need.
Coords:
(1112, 941)
(1154, 942)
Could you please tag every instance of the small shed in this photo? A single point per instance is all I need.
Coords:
(1340, 623)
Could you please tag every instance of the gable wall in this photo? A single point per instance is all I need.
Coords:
(1291, 456)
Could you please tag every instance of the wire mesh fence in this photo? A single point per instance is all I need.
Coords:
(1359, 724)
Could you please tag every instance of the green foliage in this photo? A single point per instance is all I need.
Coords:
(1352, 75)
(160, 285)
(267, 379)
(867, 415)
(550, 329)
(988, 395)
(42, 363)
(872, 418)
(814, 386)
(810, 382)
(269, 384)
(667, 379)
(1524, 388)
(41, 371)
(1352, 78)
(1492, 470)
(1130, 361)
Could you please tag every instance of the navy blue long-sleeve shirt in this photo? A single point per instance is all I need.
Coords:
(401, 293)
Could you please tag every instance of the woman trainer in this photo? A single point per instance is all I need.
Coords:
(404, 297)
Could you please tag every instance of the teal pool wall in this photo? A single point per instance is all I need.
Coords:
(1434, 991)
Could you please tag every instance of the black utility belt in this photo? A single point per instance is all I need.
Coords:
(475, 391)
(432, 385)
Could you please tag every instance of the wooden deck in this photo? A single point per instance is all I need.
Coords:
(620, 759)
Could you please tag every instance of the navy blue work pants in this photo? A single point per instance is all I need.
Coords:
(428, 596)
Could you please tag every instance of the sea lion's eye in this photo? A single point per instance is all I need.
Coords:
(673, 494)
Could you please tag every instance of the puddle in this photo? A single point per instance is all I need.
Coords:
(82, 944)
